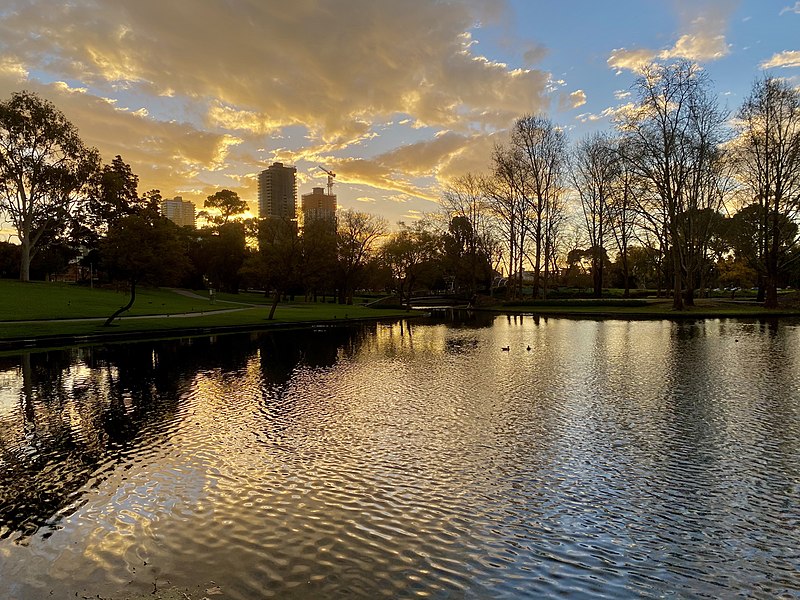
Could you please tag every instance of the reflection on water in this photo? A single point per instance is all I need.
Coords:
(612, 458)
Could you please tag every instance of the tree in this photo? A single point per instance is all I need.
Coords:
(768, 154)
(44, 170)
(469, 235)
(138, 249)
(504, 191)
(594, 173)
(114, 195)
(279, 257)
(672, 140)
(622, 216)
(225, 250)
(318, 256)
(227, 203)
(357, 237)
(467, 257)
(407, 253)
(541, 154)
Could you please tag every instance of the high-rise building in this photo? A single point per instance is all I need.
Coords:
(318, 206)
(277, 192)
(179, 211)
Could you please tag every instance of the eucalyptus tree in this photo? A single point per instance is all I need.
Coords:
(45, 171)
(768, 155)
(227, 203)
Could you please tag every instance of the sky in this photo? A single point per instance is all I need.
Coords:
(397, 97)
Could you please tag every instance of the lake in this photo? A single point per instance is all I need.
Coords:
(414, 459)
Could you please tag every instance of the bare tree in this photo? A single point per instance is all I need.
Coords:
(594, 173)
(504, 191)
(622, 213)
(768, 152)
(541, 150)
(672, 138)
(358, 234)
(464, 201)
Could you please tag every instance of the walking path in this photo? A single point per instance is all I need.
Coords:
(194, 295)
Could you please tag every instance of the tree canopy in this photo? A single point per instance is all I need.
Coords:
(44, 170)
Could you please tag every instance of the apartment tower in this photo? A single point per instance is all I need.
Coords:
(277, 192)
(179, 211)
(319, 206)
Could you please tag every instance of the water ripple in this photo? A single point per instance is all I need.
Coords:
(611, 460)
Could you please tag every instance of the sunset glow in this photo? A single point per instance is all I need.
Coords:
(395, 97)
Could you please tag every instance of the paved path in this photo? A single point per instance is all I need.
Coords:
(196, 296)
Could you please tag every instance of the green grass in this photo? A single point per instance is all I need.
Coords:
(652, 309)
(52, 303)
(40, 300)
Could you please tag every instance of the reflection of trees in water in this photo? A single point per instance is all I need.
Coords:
(283, 352)
(82, 411)
(461, 318)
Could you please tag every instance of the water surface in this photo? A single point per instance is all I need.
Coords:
(612, 459)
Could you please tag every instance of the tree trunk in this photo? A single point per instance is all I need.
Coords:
(124, 308)
(626, 274)
(597, 275)
(689, 296)
(25, 261)
(274, 305)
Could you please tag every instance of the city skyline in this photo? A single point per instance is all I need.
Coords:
(396, 98)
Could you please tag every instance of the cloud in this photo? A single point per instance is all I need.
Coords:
(612, 112)
(791, 9)
(331, 66)
(632, 60)
(705, 24)
(535, 54)
(199, 96)
(786, 59)
(572, 100)
(169, 156)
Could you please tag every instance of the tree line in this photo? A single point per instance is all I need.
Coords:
(681, 196)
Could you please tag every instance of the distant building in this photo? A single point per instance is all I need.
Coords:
(318, 206)
(277, 192)
(179, 211)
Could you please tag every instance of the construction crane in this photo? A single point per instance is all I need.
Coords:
(331, 175)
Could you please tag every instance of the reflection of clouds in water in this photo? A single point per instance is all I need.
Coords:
(409, 456)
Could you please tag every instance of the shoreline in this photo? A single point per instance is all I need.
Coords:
(54, 341)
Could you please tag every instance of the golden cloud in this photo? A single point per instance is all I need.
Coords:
(786, 59)
(704, 41)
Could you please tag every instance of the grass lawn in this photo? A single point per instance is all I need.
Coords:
(40, 300)
(650, 309)
(44, 301)
(51, 305)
